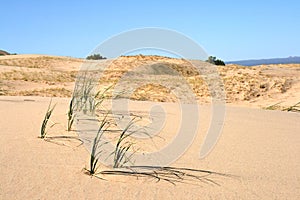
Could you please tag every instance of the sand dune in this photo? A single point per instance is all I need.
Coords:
(257, 150)
(258, 86)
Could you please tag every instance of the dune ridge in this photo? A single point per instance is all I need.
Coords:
(43, 75)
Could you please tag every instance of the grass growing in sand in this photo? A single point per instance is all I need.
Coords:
(123, 146)
(46, 120)
(87, 100)
(84, 92)
(276, 106)
(294, 108)
(273, 107)
(95, 152)
(71, 114)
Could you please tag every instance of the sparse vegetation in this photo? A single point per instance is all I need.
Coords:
(46, 62)
(39, 77)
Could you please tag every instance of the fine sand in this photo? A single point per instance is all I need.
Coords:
(260, 148)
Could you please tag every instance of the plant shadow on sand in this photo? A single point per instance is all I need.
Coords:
(172, 175)
(69, 141)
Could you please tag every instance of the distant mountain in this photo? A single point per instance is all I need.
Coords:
(3, 53)
(289, 60)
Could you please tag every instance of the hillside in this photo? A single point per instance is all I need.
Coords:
(42, 75)
(4, 53)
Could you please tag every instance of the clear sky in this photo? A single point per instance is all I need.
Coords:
(230, 30)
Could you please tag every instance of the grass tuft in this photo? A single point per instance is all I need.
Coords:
(94, 156)
(123, 146)
(71, 115)
(46, 119)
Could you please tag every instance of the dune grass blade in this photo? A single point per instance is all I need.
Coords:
(294, 108)
(94, 157)
(71, 114)
(122, 147)
(274, 106)
(46, 119)
(83, 91)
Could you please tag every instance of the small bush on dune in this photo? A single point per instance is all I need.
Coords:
(213, 60)
(95, 57)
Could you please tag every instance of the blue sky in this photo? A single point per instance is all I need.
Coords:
(230, 30)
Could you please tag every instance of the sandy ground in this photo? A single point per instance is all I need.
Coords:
(260, 147)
